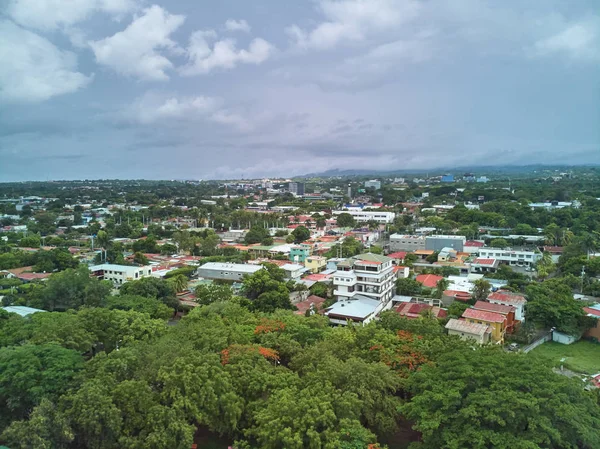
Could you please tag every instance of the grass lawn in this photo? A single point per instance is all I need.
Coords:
(583, 356)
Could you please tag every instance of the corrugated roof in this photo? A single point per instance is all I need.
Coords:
(489, 307)
(370, 257)
(491, 317)
(507, 297)
(466, 327)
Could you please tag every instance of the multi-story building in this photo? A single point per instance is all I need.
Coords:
(439, 242)
(507, 311)
(512, 299)
(120, 274)
(297, 188)
(495, 321)
(367, 275)
(227, 271)
(315, 264)
(299, 253)
(520, 258)
(364, 216)
(374, 183)
(401, 242)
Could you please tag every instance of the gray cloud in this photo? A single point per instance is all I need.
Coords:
(127, 88)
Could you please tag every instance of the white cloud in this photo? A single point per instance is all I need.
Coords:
(135, 51)
(237, 25)
(33, 68)
(353, 20)
(580, 41)
(48, 15)
(156, 108)
(223, 55)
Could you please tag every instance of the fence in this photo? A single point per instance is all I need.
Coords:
(539, 341)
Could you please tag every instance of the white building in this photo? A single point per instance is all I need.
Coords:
(120, 274)
(360, 310)
(367, 276)
(373, 183)
(227, 271)
(364, 216)
(510, 257)
(293, 271)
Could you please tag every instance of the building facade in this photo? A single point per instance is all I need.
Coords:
(439, 242)
(401, 242)
(120, 274)
(227, 271)
(509, 257)
(374, 183)
(495, 321)
(297, 188)
(481, 333)
(364, 216)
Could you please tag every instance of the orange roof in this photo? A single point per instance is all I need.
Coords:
(423, 252)
(429, 280)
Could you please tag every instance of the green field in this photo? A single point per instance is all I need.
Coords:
(583, 356)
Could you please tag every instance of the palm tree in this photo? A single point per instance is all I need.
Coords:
(179, 283)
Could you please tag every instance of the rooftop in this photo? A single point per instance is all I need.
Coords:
(370, 257)
(358, 308)
(22, 310)
(497, 308)
(429, 280)
(491, 317)
(240, 267)
(508, 297)
(466, 327)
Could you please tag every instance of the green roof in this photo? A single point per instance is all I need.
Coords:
(370, 257)
(261, 248)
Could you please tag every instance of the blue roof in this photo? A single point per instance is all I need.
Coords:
(22, 310)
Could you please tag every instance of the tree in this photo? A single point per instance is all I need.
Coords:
(441, 287)
(408, 287)
(499, 243)
(31, 373)
(256, 234)
(140, 258)
(151, 287)
(300, 234)
(74, 288)
(457, 308)
(151, 306)
(179, 282)
(488, 398)
(168, 249)
(207, 294)
(319, 289)
(481, 290)
(345, 220)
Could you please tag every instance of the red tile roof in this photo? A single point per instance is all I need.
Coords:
(474, 243)
(481, 261)
(480, 315)
(303, 306)
(429, 280)
(317, 277)
(489, 307)
(507, 297)
(591, 311)
(414, 310)
(398, 255)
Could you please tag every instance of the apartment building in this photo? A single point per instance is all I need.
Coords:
(364, 216)
(368, 275)
(401, 242)
(120, 274)
(297, 188)
(519, 258)
(374, 183)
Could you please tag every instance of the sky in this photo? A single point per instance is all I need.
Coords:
(188, 89)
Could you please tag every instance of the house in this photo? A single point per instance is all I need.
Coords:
(299, 253)
(466, 330)
(509, 298)
(227, 271)
(507, 311)
(447, 255)
(429, 280)
(401, 272)
(315, 264)
(482, 265)
(593, 332)
(398, 257)
(496, 322)
(120, 274)
(358, 310)
(415, 310)
(313, 303)
(473, 246)
(423, 254)
(293, 271)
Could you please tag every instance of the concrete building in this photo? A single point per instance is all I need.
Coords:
(299, 253)
(364, 216)
(374, 183)
(293, 271)
(520, 258)
(509, 298)
(315, 264)
(481, 333)
(507, 311)
(233, 235)
(401, 242)
(297, 188)
(495, 321)
(227, 271)
(369, 275)
(439, 242)
(360, 310)
(120, 274)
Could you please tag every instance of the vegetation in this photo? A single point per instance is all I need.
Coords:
(582, 356)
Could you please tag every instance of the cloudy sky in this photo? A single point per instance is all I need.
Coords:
(231, 88)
